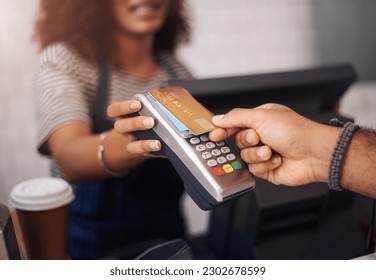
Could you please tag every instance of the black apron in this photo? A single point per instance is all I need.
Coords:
(125, 214)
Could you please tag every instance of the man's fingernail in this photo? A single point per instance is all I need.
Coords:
(249, 138)
(155, 145)
(261, 153)
(217, 118)
(148, 122)
(135, 105)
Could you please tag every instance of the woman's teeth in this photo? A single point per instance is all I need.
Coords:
(144, 8)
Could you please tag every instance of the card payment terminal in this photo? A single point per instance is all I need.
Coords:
(212, 172)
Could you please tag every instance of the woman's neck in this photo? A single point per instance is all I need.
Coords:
(135, 56)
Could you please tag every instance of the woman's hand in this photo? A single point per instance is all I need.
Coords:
(127, 125)
(75, 148)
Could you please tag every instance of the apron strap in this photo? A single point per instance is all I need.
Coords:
(101, 123)
(170, 72)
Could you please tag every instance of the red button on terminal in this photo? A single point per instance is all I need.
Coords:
(218, 171)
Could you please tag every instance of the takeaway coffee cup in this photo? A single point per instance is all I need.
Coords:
(42, 209)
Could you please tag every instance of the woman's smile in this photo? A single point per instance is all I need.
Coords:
(145, 8)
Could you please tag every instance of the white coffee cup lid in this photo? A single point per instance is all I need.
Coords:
(41, 194)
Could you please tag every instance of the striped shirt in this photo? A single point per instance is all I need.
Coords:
(66, 87)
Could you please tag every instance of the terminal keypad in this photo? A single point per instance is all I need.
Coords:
(218, 155)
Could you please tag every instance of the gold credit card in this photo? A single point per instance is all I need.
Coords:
(181, 104)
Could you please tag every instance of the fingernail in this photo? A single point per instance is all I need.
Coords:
(155, 146)
(148, 122)
(276, 159)
(217, 118)
(249, 137)
(261, 153)
(135, 105)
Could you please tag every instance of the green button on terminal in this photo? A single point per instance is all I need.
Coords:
(236, 165)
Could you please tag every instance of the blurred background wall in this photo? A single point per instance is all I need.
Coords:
(229, 38)
(345, 31)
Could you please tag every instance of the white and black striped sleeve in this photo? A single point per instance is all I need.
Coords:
(59, 92)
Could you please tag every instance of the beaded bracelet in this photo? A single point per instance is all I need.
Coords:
(338, 153)
(100, 152)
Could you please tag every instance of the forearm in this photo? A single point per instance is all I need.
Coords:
(357, 172)
(78, 156)
(359, 165)
(78, 159)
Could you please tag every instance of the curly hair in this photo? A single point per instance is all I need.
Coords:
(87, 26)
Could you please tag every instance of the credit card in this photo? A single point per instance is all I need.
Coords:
(181, 104)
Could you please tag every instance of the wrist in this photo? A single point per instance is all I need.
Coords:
(339, 152)
(323, 146)
(105, 166)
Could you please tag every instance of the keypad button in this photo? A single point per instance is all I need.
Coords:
(200, 148)
(218, 171)
(206, 155)
(231, 157)
(225, 150)
(212, 162)
(221, 160)
(194, 140)
(228, 168)
(220, 143)
(204, 138)
(216, 152)
(237, 165)
(210, 145)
